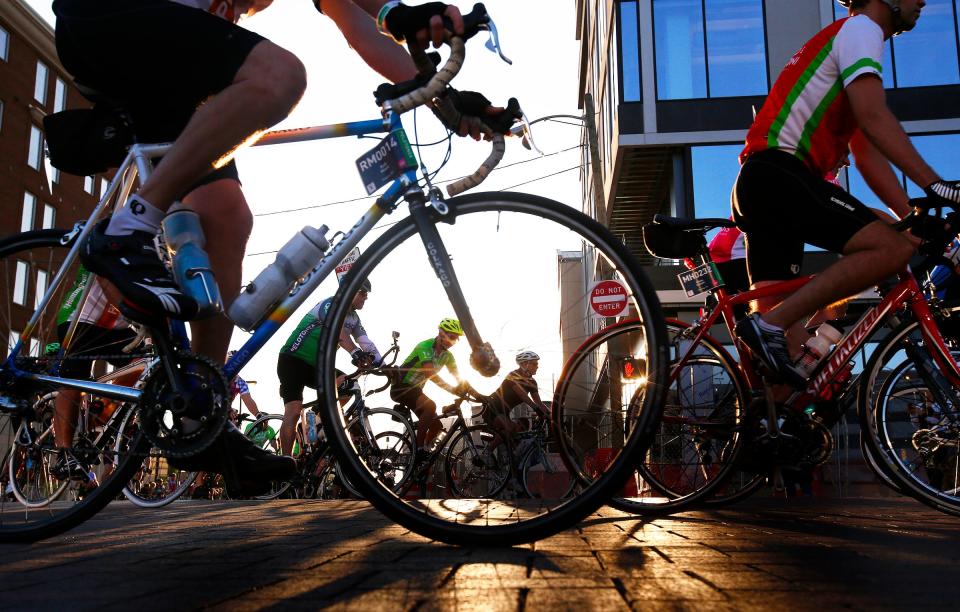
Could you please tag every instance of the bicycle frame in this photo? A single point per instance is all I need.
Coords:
(905, 294)
(138, 163)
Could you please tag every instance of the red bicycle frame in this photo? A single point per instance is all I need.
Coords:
(906, 294)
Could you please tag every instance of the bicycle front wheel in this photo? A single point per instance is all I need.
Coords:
(28, 264)
(530, 271)
(910, 420)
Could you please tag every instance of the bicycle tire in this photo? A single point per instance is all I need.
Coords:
(264, 432)
(469, 453)
(657, 487)
(506, 222)
(550, 466)
(44, 251)
(154, 465)
(885, 424)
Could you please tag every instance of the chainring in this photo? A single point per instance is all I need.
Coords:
(183, 420)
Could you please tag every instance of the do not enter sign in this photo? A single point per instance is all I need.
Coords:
(608, 298)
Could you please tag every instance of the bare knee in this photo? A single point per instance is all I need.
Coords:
(278, 78)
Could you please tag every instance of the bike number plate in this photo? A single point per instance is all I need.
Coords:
(700, 280)
(386, 162)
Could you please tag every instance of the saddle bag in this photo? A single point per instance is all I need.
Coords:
(86, 141)
(668, 242)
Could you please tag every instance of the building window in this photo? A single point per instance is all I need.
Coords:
(14, 338)
(35, 154)
(34, 347)
(938, 150)
(20, 284)
(629, 51)
(40, 86)
(49, 216)
(906, 59)
(103, 186)
(709, 48)
(29, 210)
(88, 184)
(1, 114)
(4, 44)
(41, 288)
(54, 174)
(714, 169)
(59, 96)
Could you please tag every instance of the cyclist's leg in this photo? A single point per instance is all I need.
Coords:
(429, 424)
(216, 202)
(294, 374)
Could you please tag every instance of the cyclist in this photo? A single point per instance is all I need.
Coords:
(424, 363)
(297, 363)
(519, 387)
(100, 330)
(829, 99)
(239, 387)
(209, 87)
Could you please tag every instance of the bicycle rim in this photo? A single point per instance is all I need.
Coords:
(543, 255)
(910, 431)
(28, 263)
(156, 483)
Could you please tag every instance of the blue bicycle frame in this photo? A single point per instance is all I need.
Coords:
(140, 157)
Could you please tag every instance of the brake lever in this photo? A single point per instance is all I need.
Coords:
(493, 43)
(525, 132)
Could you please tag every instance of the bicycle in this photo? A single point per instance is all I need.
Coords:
(499, 225)
(542, 472)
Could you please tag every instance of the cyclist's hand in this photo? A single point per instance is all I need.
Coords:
(462, 388)
(947, 192)
(473, 104)
(422, 24)
(361, 358)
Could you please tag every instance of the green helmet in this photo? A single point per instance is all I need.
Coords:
(452, 326)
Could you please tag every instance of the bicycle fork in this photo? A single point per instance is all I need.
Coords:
(482, 358)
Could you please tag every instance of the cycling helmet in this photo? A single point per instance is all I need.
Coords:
(365, 286)
(52, 349)
(898, 25)
(452, 326)
(527, 356)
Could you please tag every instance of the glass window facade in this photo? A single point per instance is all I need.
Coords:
(714, 168)
(49, 217)
(35, 151)
(709, 48)
(908, 60)
(59, 96)
(40, 85)
(29, 211)
(938, 150)
(630, 52)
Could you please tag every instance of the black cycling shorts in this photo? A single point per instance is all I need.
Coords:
(88, 340)
(406, 395)
(160, 60)
(780, 204)
(294, 374)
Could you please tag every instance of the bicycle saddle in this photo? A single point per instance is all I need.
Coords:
(681, 223)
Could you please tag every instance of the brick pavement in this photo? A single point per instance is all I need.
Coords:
(763, 554)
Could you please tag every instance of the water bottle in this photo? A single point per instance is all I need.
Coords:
(191, 266)
(293, 261)
(311, 426)
(817, 347)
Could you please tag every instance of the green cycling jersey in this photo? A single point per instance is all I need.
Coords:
(72, 300)
(423, 356)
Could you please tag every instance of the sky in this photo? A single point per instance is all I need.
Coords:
(538, 35)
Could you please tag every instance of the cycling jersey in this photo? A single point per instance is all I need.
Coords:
(304, 342)
(421, 357)
(238, 386)
(220, 8)
(97, 310)
(727, 245)
(514, 390)
(807, 112)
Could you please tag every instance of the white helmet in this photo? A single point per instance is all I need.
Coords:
(898, 24)
(527, 356)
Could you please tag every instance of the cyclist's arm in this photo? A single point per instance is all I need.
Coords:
(385, 56)
(868, 101)
(434, 376)
(876, 170)
(435, 33)
(251, 404)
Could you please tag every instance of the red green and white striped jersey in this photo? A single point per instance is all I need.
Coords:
(807, 112)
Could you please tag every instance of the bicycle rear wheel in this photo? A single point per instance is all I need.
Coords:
(527, 267)
(28, 264)
(156, 483)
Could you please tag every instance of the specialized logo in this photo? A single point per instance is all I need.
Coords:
(841, 203)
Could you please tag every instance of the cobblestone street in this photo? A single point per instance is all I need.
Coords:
(762, 554)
